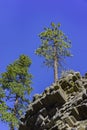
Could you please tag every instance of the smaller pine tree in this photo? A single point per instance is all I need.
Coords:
(16, 82)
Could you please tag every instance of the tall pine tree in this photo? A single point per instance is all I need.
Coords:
(54, 47)
(16, 82)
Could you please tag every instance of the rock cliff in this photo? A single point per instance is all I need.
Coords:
(62, 106)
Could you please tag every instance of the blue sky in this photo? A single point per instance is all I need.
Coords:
(22, 20)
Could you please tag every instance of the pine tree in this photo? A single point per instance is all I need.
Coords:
(16, 82)
(3, 107)
(54, 47)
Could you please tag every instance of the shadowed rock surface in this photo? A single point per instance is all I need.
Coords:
(62, 106)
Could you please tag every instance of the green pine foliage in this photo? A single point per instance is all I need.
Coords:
(48, 38)
(16, 83)
(5, 115)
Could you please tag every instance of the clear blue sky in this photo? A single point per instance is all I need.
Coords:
(22, 20)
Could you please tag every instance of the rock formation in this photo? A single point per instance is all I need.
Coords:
(62, 106)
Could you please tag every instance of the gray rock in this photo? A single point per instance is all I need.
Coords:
(74, 78)
(36, 96)
(79, 83)
(78, 75)
(86, 75)
(85, 85)
(43, 111)
(40, 120)
(56, 109)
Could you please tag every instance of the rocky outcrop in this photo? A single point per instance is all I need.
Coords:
(62, 106)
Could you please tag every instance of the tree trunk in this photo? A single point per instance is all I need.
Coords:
(15, 112)
(11, 127)
(16, 105)
(55, 64)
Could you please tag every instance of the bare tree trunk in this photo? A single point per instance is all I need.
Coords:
(16, 105)
(55, 64)
(11, 127)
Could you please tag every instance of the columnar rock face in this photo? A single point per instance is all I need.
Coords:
(62, 106)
